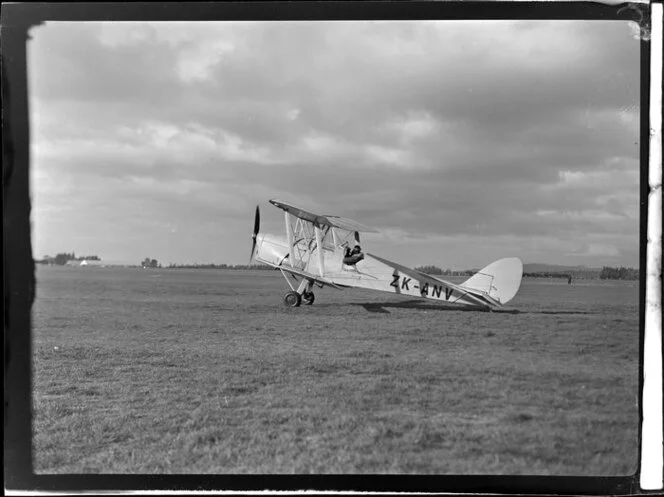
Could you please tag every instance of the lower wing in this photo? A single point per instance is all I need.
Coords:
(304, 274)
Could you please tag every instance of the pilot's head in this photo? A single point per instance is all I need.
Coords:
(357, 249)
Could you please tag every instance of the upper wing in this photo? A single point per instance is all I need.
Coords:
(477, 296)
(333, 221)
(348, 224)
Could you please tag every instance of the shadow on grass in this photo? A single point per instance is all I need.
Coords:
(557, 312)
(381, 307)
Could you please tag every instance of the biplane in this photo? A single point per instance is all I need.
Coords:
(324, 250)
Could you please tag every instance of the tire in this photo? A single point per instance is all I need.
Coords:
(308, 298)
(292, 299)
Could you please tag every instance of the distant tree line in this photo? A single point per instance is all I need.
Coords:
(64, 257)
(582, 274)
(89, 258)
(621, 273)
(218, 266)
(611, 273)
(546, 275)
(435, 270)
(150, 263)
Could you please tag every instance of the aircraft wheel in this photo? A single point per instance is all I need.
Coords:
(292, 299)
(308, 298)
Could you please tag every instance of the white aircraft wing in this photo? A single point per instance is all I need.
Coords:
(477, 296)
(305, 274)
(348, 224)
(320, 220)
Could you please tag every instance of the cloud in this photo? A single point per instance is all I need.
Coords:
(482, 133)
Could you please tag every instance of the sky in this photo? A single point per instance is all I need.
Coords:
(460, 141)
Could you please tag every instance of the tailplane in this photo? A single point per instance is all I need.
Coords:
(500, 280)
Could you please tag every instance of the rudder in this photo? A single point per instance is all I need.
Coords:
(500, 279)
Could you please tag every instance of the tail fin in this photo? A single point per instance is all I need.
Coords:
(500, 280)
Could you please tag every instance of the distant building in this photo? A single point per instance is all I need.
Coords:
(93, 263)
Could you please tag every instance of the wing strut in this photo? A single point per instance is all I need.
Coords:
(289, 236)
(283, 273)
(319, 247)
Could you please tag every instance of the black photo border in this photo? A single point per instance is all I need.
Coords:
(18, 266)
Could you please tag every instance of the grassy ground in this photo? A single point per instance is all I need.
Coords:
(185, 371)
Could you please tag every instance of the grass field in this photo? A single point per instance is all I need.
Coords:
(205, 371)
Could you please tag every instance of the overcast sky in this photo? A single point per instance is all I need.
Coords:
(461, 142)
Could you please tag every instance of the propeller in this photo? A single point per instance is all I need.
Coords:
(257, 225)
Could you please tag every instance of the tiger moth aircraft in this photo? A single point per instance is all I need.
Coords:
(324, 250)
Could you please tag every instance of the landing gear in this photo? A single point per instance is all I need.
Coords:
(292, 299)
(308, 298)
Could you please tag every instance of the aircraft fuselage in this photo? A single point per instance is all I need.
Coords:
(369, 274)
